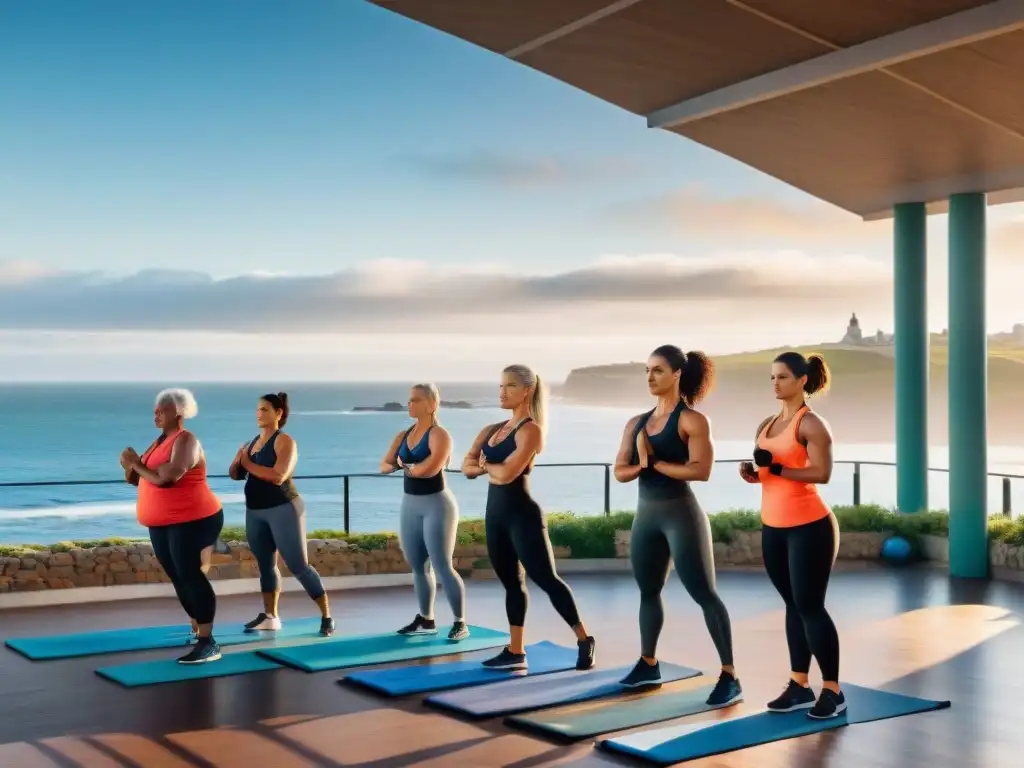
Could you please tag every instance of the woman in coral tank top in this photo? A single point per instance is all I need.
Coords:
(800, 535)
(182, 514)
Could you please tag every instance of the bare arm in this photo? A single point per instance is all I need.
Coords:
(440, 443)
(387, 464)
(528, 442)
(184, 455)
(287, 457)
(696, 429)
(817, 436)
(235, 471)
(625, 470)
(471, 463)
(131, 476)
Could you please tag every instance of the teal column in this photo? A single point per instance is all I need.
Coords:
(968, 389)
(910, 273)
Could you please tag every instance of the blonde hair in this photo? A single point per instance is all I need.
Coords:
(527, 377)
(184, 402)
(433, 394)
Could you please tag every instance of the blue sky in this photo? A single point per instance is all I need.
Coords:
(235, 138)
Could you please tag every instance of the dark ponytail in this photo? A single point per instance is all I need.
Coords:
(813, 367)
(279, 402)
(698, 372)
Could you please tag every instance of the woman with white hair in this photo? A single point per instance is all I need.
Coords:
(429, 512)
(183, 515)
(514, 523)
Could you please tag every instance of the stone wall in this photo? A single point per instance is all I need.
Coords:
(135, 564)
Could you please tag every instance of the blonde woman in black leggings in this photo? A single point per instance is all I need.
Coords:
(514, 523)
(667, 448)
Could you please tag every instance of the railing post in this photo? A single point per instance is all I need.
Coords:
(345, 500)
(607, 490)
(856, 483)
(1007, 501)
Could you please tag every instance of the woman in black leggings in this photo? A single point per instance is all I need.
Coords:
(800, 535)
(514, 523)
(667, 448)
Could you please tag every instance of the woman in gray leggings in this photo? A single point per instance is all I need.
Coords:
(275, 515)
(430, 514)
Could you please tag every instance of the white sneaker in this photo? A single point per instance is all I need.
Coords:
(263, 623)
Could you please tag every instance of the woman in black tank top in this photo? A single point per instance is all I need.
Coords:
(515, 527)
(667, 448)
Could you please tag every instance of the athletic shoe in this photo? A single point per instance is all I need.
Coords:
(727, 691)
(643, 674)
(327, 626)
(587, 648)
(264, 623)
(830, 704)
(206, 649)
(795, 697)
(419, 626)
(459, 631)
(506, 660)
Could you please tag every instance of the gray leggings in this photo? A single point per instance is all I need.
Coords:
(676, 530)
(427, 535)
(282, 529)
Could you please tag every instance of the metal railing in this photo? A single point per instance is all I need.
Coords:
(346, 478)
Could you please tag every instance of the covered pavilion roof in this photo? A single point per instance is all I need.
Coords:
(862, 103)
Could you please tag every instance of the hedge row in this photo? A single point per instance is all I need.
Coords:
(593, 536)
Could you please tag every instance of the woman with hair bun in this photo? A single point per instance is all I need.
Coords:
(183, 515)
(800, 534)
(668, 448)
(275, 514)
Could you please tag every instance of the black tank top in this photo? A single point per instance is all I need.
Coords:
(259, 494)
(497, 454)
(419, 486)
(667, 446)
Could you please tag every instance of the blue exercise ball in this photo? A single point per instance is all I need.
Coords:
(896, 550)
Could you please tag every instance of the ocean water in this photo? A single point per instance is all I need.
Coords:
(63, 432)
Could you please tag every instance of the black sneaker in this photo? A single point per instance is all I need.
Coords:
(727, 691)
(419, 626)
(459, 631)
(795, 697)
(205, 649)
(587, 648)
(506, 660)
(643, 674)
(830, 704)
(327, 626)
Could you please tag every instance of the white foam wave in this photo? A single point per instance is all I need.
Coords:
(85, 511)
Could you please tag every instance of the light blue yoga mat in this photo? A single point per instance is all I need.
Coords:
(149, 638)
(170, 671)
(362, 650)
(679, 743)
(544, 658)
(528, 693)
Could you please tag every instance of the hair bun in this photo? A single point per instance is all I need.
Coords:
(283, 396)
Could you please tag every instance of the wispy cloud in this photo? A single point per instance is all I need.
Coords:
(414, 297)
(509, 170)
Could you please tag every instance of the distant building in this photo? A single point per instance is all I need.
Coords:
(855, 336)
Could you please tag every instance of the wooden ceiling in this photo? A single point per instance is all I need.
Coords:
(918, 130)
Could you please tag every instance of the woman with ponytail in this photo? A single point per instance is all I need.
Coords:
(667, 448)
(275, 514)
(799, 532)
(514, 523)
(429, 516)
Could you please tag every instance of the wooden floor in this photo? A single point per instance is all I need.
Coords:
(910, 631)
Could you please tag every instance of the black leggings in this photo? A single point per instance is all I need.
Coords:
(179, 549)
(676, 530)
(799, 562)
(517, 532)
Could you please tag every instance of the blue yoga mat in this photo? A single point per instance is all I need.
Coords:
(149, 638)
(514, 696)
(679, 743)
(544, 658)
(170, 671)
(362, 650)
